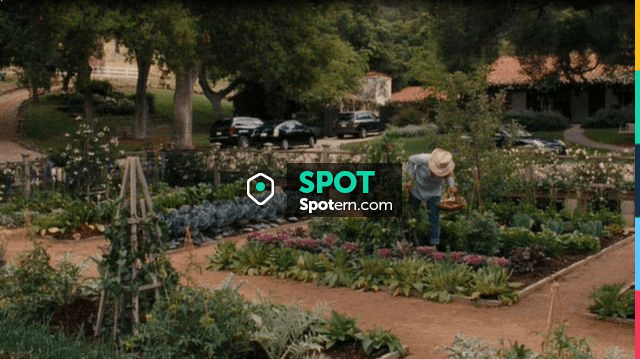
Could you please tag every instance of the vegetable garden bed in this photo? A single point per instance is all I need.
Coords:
(405, 269)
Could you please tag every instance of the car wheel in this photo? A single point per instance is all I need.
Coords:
(285, 144)
(363, 132)
(340, 135)
(312, 142)
(243, 142)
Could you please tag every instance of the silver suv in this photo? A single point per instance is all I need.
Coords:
(357, 123)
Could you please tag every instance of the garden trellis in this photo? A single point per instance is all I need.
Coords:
(137, 249)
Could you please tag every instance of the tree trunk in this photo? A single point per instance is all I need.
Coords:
(214, 97)
(65, 81)
(182, 111)
(141, 120)
(84, 79)
(34, 92)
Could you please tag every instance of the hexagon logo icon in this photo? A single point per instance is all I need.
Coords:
(260, 186)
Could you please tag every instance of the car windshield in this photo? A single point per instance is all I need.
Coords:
(345, 116)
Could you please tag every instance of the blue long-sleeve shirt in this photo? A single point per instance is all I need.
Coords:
(427, 185)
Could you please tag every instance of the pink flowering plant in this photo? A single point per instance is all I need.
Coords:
(384, 252)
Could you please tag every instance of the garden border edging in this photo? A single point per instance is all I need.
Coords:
(611, 320)
(525, 291)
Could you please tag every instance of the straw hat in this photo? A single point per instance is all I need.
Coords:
(441, 163)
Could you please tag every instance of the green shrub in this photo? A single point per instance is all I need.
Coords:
(186, 168)
(446, 279)
(454, 234)
(23, 340)
(611, 118)
(101, 87)
(32, 290)
(553, 247)
(378, 342)
(484, 237)
(197, 323)
(493, 282)
(514, 237)
(407, 276)
(338, 270)
(408, 116)
(224, 256)
(289, 332)
(580, 242)
(539, 121)
(610, 301)
(340, 329)
(370, 273)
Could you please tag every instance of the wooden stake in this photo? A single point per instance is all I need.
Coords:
(554, 302)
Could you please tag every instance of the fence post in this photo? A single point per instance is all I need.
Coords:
(214, 163)
(26, 174)
(325, 153)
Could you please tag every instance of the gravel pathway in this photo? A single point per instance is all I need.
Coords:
(576, 135)
(11, 151)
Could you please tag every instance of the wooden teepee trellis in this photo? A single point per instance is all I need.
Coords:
(140, 209)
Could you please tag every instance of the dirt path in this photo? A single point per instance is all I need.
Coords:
(423, 325)
(9, 150)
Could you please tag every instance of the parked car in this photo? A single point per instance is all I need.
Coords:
(524, 138)
(234, 131)
(285, 134)
(357, 123)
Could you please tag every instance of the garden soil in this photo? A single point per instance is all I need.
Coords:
(426, 327)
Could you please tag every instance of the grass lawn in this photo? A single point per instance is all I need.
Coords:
(610, 136)
(45, 125)
(549, 135)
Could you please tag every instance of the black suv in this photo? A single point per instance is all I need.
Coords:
(357, 123)
(234, 131)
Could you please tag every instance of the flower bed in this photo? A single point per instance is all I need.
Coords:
(483, 258)
(402, 271)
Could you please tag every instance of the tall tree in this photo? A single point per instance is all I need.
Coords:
(139, 27)
(82, 28)
(29, 41)
(178, 51)
(289, 48)
(574, 37)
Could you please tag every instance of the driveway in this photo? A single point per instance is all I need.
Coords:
(11, 151)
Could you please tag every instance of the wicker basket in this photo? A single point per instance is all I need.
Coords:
(452, 204)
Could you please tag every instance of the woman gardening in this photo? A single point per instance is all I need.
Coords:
(429, 171)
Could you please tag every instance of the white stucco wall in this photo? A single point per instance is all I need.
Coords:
(376, 89)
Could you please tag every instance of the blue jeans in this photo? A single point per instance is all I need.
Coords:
(434, 217)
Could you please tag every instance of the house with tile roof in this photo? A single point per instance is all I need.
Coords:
(536, 84)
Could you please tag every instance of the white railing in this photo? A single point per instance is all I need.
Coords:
(113, 72)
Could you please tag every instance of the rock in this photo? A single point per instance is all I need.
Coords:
(394, 355)
(292, 219)
(281, 220)
(248, 229)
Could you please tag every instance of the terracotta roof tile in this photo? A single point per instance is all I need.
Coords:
(508, 70)
(376, 74)
(414, 93)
